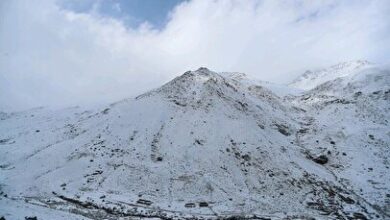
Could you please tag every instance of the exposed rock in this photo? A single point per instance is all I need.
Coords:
(144, 202)
(359, 216)
(322, 159)
(283, 129)
(105, 111)
(190, 205)
(203, 204)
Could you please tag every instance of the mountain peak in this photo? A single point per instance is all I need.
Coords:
(188, 84)
(206, 89)
(312, 78)
(202, 69)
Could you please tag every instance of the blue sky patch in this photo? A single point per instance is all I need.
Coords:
(131, 12)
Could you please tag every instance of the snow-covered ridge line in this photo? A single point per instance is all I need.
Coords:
(311, 79)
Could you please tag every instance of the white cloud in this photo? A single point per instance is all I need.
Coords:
(51, 56)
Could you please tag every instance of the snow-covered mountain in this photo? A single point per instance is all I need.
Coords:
(311, 79)
(207, 145)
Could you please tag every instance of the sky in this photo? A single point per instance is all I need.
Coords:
(130, 12)
(62, 53)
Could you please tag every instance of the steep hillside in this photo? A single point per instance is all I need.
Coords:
(349, 118)
(205, 145)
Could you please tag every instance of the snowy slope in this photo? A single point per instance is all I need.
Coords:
(278, 89)
(349, 118)
(311, 79)
(205, 145)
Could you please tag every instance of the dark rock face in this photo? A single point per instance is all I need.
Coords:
(144, 202)
(105, 111)
(5, 141)
(190, 205)
(360, 216)
(203, 204)
(322, 159)
(283, 129)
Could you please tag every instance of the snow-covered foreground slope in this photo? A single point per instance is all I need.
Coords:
(205, 145)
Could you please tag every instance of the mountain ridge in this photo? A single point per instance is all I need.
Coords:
(312, 78)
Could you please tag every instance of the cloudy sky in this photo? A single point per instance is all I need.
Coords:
(69, 52)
